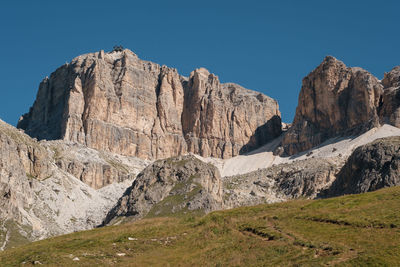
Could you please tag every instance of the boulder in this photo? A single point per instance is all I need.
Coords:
(171, 187)
(369, 168)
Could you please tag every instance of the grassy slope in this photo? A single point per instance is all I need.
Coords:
(352, 230)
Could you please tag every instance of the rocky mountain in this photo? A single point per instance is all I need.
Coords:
(390, 112)
(45, 186)
(121, 137)
(119, 103)
(167, 188)
(172, 186)
(336, 103)
(334, 100)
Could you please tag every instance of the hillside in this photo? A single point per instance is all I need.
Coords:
(51, 188)
(350, 230)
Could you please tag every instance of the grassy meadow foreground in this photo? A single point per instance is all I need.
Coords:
(354, 230)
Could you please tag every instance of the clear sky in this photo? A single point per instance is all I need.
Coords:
(268, 46)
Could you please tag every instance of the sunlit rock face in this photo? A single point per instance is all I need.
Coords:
(390, 104)
(119, 103)
(334, 100)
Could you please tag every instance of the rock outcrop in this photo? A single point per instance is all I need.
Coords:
(19, 154)
(94, 168)
(299, 179)
(370, 167)
(172, 186)
(390, 106)
(392, 78)
(334, 100)
(223, 120)
(40, 197)
(118, 103)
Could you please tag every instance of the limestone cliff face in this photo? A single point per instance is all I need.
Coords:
(223, 120)
(392, 78)
(118, 103)
(94, 168)
(109, 102)
(334, 100)
(21, 155)
(15, 163)
(26, 157)
(390, 110)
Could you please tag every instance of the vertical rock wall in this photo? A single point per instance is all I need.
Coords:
(116, 102)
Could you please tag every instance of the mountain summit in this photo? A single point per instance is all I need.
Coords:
(336, 100)
(119, 103)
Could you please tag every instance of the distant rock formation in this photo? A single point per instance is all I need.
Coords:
(369, 168)
(390, 110)
(334, 100)
(298, 179)
(173, 186)
(116, 102)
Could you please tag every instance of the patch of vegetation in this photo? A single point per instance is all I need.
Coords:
(283, 234)
(115, 164)
(30, 176)
(356, 222)
(182, 185)
(178, 163)
(262, 231)
(14, 233)
(233, 181)
(57, 153)
(226, 196)
(176, 203)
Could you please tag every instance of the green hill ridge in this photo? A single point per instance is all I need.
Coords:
(352, 230)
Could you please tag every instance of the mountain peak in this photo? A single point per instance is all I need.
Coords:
(334, 100)
(119, 103)
(329, 58)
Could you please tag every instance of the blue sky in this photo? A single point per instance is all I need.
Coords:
(268, 46)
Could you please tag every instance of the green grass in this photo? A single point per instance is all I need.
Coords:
(174, 204)
(356, 230)
(13, 231)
